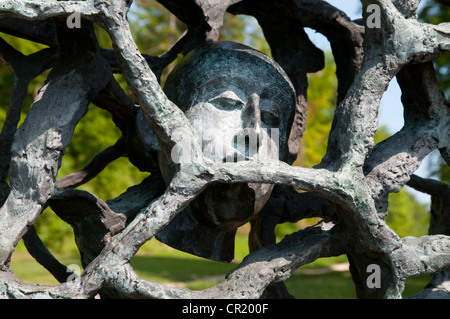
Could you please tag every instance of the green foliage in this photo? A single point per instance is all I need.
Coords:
(244, 29)
(28, 270)
(444, 172)
(406, 216)
(55, 234)
(154, 28)
(94, 133)
(6, 80)
(322, 96)
(322, 99)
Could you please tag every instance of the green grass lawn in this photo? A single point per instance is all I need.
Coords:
(157, 262)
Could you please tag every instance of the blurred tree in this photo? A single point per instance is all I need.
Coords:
(322, 97)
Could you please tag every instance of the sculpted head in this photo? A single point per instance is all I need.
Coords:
(241, 104)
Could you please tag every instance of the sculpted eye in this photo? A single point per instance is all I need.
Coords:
(270, 119)
(227, 100)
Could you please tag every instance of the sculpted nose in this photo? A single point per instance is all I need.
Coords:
(251, 116)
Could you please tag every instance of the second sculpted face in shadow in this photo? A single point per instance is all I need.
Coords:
(241, 104)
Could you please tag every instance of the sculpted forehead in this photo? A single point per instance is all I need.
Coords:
(206, 71)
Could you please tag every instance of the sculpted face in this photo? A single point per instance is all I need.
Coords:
(241, 104)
